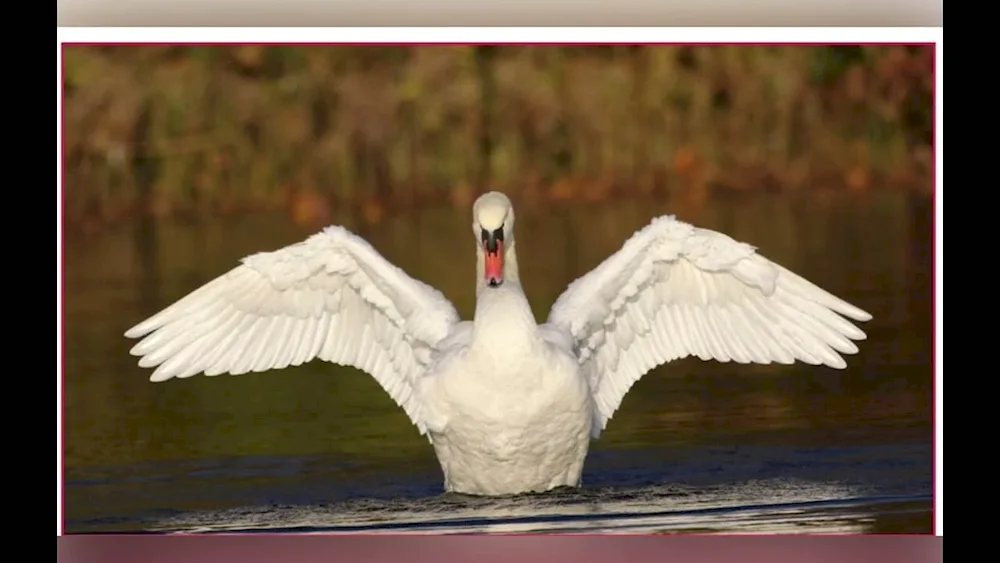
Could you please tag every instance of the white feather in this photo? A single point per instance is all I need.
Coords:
(675, 290)
(508, 405)
(331, 296)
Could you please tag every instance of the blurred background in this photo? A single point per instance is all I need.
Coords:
(178, 161)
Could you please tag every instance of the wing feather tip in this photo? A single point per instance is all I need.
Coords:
(856, 335)
(138, 331)
(146, 363)
(140, 349)
(860, 315)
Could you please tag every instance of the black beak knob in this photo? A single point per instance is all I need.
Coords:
(490, 239)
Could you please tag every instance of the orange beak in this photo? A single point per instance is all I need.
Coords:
(494, 264)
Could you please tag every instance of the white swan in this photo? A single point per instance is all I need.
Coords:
(509, 405)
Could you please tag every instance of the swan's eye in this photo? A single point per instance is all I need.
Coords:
(491, 239)
(497, 234)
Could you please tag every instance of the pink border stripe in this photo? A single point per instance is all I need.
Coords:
(487, 549)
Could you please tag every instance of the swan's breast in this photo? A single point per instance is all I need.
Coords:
(517, 392)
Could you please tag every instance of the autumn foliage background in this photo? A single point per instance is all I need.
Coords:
(209, 130)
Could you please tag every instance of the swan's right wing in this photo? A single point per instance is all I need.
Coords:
(674, 290)
(331, 297)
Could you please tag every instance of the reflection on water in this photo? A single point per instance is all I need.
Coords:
(122, 431)
(792, 505)
(743, 488)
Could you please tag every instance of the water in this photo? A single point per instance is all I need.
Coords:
(695, 446)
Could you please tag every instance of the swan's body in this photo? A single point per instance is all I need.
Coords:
(504, 423)
(509, 405)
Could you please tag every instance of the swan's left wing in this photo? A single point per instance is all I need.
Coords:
(331, 297)
(675, 290)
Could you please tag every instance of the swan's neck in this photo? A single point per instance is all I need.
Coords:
(503, 323)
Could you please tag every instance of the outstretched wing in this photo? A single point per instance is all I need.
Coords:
(331, 297)
(675, 290)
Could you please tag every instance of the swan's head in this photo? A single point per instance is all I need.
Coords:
(493, 224)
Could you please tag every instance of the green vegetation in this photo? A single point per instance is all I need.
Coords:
(222, 129)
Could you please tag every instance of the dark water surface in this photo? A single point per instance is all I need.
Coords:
(695, 446)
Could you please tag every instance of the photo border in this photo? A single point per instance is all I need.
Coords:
(259, 547)
(337, 13)
(254, 548)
